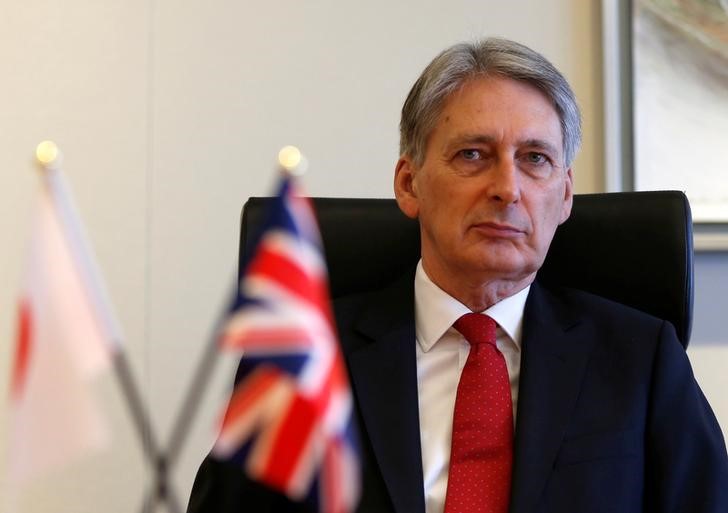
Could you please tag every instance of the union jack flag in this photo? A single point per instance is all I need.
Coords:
(289, 420)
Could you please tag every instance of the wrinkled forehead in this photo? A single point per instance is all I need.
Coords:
(484, 106)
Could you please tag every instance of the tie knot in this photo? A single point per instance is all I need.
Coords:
(476, 328)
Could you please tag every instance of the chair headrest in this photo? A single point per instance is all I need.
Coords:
(634, 248)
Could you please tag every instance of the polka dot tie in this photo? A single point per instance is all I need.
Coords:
(481, 457)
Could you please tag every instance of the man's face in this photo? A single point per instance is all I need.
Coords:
(492, 188)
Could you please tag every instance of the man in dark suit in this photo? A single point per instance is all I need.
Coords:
(594, 405)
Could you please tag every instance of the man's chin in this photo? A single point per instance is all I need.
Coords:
(509, 266)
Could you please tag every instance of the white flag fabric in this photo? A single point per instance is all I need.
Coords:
(66, 335)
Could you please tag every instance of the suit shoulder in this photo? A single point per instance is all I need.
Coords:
(365, 316)
(614, 326)
(599, 307)
(348, 308)
(391, 303)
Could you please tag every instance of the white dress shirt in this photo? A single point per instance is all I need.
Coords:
(441, 355)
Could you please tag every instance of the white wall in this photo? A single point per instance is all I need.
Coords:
(170, 114)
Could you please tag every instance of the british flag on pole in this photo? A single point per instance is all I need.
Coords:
(289, 420)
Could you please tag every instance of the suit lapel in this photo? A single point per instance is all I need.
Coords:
(384, 378)
(553, 362)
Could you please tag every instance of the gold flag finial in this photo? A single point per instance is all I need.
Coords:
(47, 154)
(292, 160)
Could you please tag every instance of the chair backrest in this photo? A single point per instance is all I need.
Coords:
(631, 247)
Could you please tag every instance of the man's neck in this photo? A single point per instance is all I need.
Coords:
(478, 292)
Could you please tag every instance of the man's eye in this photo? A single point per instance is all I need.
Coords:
(536, 158)
(470, 154)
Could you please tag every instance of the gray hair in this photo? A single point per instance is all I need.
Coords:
(450, 70)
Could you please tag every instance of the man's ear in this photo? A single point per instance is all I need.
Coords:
(568, 196)
(405, 187)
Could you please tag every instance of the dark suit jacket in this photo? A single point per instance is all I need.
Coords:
(610, 418)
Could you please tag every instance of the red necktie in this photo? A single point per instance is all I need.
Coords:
(481, 457)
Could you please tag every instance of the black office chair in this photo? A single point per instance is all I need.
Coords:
(634, 247)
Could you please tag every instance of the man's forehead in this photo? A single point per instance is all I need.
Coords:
(478, 113)
(465, 138)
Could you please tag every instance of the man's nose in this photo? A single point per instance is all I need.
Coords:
(504, 185)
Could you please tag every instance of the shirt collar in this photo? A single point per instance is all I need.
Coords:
(436, 311)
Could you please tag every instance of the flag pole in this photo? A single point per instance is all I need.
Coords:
(49, 157)
(290, 161)
(180, 428)
(193, 396)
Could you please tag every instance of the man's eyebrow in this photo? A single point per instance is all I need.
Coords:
(541, 144)
(464, 139)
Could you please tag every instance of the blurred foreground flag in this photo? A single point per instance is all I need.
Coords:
(289, 422)
(65, 337)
